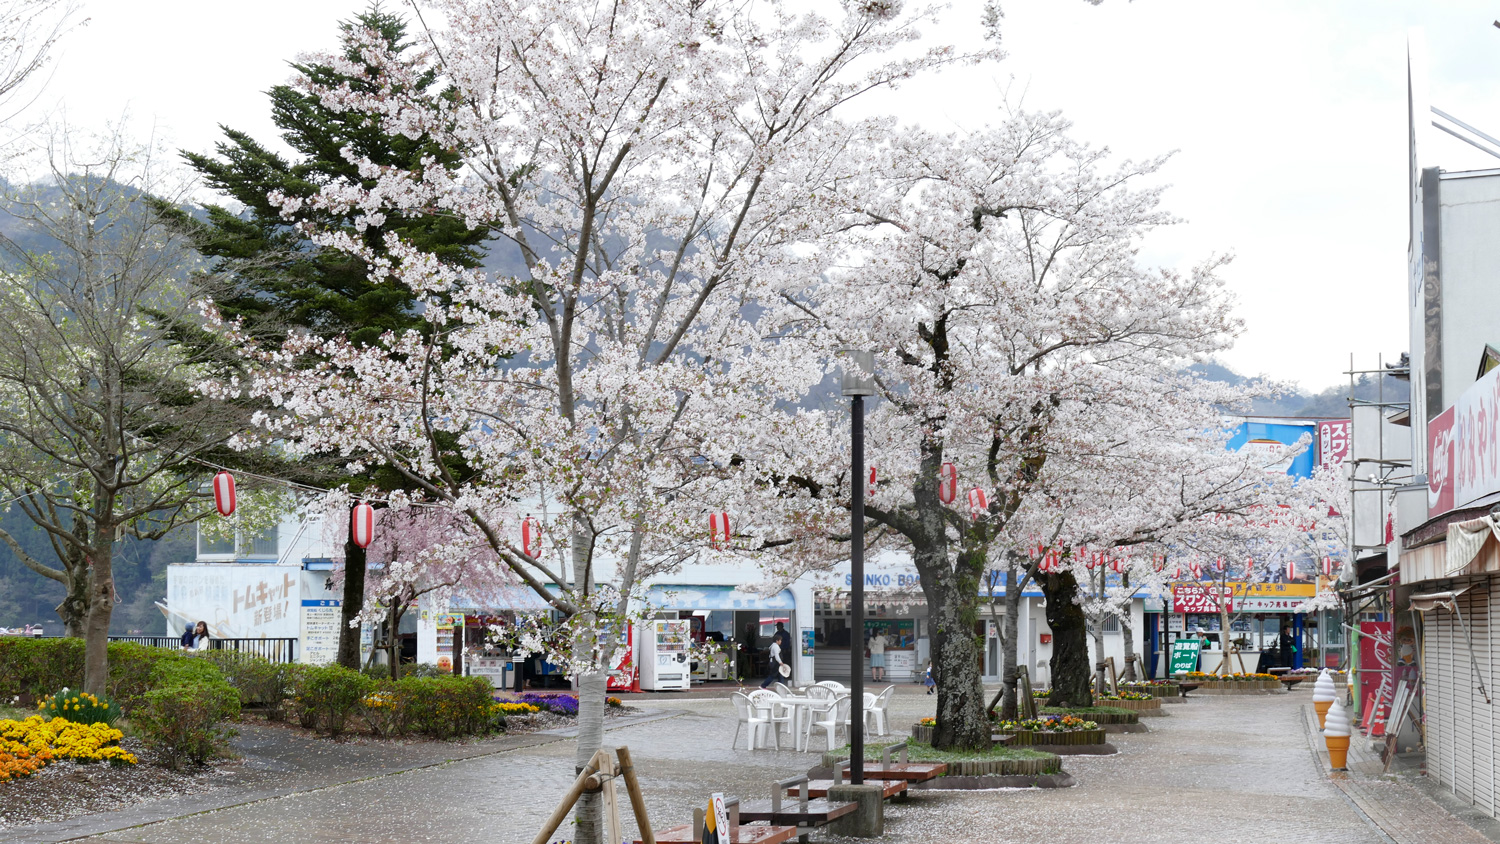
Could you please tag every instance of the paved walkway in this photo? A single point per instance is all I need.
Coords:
(1220, 769)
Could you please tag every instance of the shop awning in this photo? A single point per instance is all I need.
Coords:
(1433, 600)
(498, 599)
(674, 597)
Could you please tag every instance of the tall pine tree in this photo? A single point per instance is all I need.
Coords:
(277, 281)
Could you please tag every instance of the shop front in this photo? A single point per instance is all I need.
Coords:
(1258, 613)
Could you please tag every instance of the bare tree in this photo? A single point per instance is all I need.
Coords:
(29, 29)
(100, 428)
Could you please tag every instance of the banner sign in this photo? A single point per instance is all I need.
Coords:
(1185, 655)
(1202, 598)
(1333, 443)
(1463, 447)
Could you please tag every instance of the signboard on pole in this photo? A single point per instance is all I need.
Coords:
(1333, 443)
(1202, 598)
(1185, 655)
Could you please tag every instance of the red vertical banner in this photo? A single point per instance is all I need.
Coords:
(1333, 442)
(1375, 680)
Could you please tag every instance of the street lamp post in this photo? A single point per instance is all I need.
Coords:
(858, 381)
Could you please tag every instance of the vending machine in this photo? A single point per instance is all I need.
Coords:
(664, 645)
(625, 677)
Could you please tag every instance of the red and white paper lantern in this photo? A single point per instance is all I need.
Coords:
(224, 498)
(1117, 565)
(872, 482)
(531, 536)
(1291, 571)
(1197, 570)
(362, 524)
(718, 529)
(979, 503)
(1328, 567)
(947, 483)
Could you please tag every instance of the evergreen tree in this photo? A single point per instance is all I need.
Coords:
(274, 278)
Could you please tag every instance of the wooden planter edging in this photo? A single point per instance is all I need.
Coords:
(1026, 738)
(1137, 705)
(921, 733)
(1169, 690)
(1111, 717)
(1004, 767)
(1238, 686)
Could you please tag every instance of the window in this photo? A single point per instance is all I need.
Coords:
(214, 545)
(261, 547)
(1111, 623)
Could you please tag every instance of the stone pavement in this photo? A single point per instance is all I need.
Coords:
(1222, 769)
(1405, 813)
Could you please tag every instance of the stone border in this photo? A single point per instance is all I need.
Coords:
(1036, 738)
(1104, 749)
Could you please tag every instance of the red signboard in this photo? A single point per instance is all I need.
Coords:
(1375, 681)
(1333, 442)
(1440, 463)
(1202, 598)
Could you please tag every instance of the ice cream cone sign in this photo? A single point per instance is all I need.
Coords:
(1323, 696)
(1336, 730)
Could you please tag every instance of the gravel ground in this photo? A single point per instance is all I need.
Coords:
(68, 789)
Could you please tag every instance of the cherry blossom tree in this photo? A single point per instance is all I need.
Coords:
(648, 166)
(1017, 337)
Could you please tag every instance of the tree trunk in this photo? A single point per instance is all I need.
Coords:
(1127, 635)
(952, 603)
(588, 816)
(1101, 678)
(1070, 648)
(1010, 708)
(352, 604)
(101, 606)
(74, 609)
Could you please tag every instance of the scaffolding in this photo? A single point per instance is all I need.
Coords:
(1375, 477)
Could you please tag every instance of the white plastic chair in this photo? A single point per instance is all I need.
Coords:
(875, 710)
(834, 686)
(783, 690)
(747, 716)
(834, 718)
(768, 706)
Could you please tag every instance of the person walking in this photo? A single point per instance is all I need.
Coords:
(877, 656)
(927, 681)
(774, 665)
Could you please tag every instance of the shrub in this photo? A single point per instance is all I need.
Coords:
(326, 697)
(38, 666)
(186, 720)
(444, 707)
(259, 681)
(80, 707)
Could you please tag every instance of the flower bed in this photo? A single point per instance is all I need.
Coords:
(1105, 713)
(1143, 703)
(1233, 683)
(29, 745)
(997, 761)
(1052, 729)
(1154, 688)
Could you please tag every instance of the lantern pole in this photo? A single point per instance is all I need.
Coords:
(858, 382)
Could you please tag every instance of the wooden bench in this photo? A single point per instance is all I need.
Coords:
(805, 814)
(905, 769)
(1184, 688)
(746, 833)
(1291, 682)
(819, 788)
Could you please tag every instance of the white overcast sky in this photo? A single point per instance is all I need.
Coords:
(1288, 120)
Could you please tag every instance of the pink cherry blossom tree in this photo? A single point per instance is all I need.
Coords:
(650, 167)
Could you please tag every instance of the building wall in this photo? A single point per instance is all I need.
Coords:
(1461, 725)
(1470, 275)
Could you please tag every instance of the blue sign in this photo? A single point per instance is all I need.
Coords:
(1270, 436)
